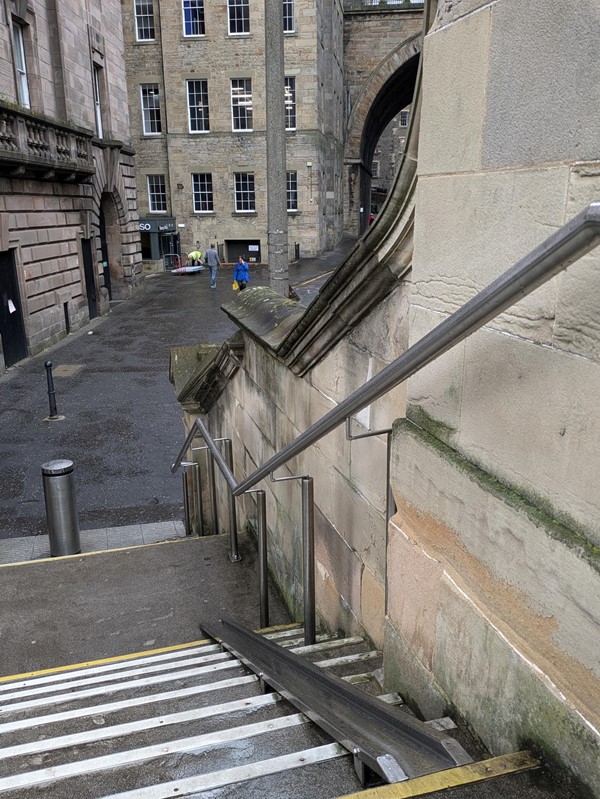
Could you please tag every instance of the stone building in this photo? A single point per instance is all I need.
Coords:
(481, 581)
(69, 237)
(197, 86)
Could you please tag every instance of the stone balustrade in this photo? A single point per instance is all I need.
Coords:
(34, 147)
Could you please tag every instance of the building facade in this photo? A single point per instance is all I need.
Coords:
(69, 237)
(197, 96)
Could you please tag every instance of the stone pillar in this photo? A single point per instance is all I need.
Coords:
(277, 223)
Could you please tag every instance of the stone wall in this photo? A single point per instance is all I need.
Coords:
(50, 202)
(493, 568)
(485, 595)
(265, 407)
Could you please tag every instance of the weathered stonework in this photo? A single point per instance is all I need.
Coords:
(484, 587)
(59, 178)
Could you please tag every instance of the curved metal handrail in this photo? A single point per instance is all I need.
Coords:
(577, 237)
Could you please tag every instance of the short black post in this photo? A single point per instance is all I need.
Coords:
(51, 393)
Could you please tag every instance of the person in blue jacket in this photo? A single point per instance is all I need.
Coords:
(242, 273)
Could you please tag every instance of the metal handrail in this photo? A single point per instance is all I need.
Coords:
(580, 235)
(577, 237)
(567, 245)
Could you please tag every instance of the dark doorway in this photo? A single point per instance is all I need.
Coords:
(12, 328)
(248, 249)
(88, 269)
(104, 247)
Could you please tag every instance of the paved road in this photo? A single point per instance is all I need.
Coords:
(122, 425)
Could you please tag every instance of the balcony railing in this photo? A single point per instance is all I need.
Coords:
(34, 147)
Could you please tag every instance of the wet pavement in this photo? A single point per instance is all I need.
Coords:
(122, 425)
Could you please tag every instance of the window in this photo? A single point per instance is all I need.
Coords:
(20, 65)
(197, 91)
(193, 18)
(157, 194)
(151, 108)
(289, 23)
(375, 169)
(291, 179)
(203, 192)
(403, 119)
(241, 104)
(97, 101)
(144, 20)
(239, 16)
(244, 192)
(290, 103)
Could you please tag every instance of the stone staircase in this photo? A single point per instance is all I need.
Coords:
(188, 721)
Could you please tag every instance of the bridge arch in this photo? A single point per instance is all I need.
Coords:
(386, 92)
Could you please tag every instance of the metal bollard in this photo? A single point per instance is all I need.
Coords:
(61, 511)
(51, 392)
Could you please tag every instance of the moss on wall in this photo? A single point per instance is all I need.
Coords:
(538, 509)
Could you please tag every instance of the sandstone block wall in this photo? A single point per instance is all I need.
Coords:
(500, 566)
(44, 218)
(264, 408)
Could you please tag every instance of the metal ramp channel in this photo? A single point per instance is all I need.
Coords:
(186, 721)
(171, 723)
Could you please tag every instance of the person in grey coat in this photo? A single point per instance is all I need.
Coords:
(211, 259)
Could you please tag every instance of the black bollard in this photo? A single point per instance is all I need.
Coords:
(51, 393)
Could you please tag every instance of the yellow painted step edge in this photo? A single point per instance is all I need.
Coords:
(129, 656)
(452, 778)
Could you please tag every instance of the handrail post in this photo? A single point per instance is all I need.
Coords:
(187, 520)
(263, 573)
(198, 505)
(234, 554)
(308, 541)
(212, 491)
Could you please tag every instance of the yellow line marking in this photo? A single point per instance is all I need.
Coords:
(452, 778)
(312, 279)
(96, 552)
(277, 627)
(130, 656)
(102, 661)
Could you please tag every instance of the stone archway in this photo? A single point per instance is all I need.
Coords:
(388, 90)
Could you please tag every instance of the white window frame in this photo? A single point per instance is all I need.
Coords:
(190, 6)
(291, 189)
(404, 117)
(144, 21)
(97, 101)
(244, 192)
(202, 192)
(147, 110)
(198, 100)
(241, 98)
(290, 102)
(154, 194)
(238, 17)
(289, 16)
(20, 64)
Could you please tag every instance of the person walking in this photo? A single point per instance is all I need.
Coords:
(241, 273)
(211, 258)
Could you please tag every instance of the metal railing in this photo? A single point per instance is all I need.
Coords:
(553, 255)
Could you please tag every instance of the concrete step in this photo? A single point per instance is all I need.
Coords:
(174, 723)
